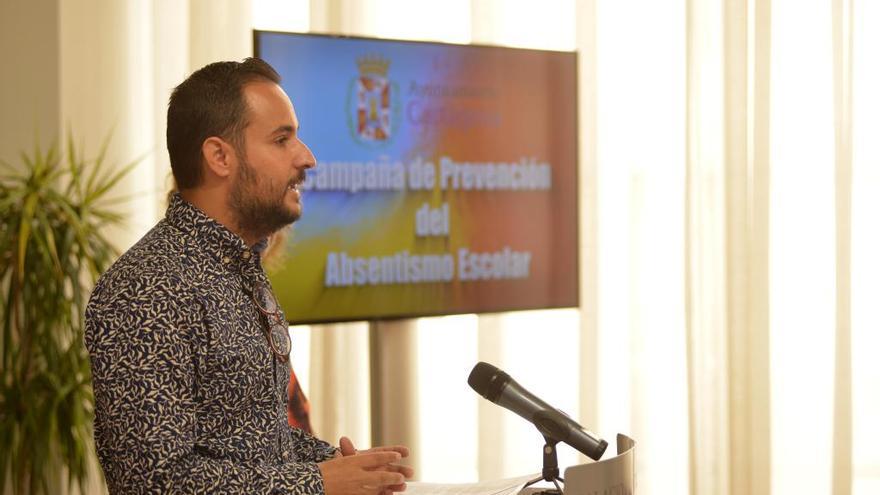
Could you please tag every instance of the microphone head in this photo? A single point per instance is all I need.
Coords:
(488, 381)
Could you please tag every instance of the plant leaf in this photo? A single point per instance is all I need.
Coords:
(24, 232)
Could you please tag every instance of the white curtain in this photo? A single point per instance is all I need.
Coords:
(732, 126)
(864, 106)
(119, 62)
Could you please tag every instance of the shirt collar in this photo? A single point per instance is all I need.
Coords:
(210, 236)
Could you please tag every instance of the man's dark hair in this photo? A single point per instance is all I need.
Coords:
(209, 103)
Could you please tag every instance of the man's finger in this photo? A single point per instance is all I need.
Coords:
(372, 460)
(406, 471)
(347, 446)
(400, 449)
(386, 478)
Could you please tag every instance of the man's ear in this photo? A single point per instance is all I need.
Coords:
(219, 156)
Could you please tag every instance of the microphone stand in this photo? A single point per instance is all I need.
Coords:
(550, 472)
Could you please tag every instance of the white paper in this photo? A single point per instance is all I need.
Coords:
(507, 486)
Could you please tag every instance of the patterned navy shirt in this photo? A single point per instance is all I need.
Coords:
(189, 397)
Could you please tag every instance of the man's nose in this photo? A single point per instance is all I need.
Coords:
(308, 158)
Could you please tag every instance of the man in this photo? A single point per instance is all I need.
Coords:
(189, 350)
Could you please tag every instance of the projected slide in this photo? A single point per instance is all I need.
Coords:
(446, 179)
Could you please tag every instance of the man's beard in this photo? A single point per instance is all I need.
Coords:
(259, 211)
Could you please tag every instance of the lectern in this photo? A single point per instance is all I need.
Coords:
(611, 476)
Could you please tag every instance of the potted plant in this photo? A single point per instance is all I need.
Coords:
(54, 211)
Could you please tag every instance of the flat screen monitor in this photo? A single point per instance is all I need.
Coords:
(446, 178)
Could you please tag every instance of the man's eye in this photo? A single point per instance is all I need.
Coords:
(281, 140)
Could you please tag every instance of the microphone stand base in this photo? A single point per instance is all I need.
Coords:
(550, 472)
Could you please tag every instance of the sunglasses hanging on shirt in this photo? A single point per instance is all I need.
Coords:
(276, 329)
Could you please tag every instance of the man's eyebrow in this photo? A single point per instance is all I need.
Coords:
(287, 129)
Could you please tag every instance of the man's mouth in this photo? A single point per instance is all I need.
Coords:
(296, 184)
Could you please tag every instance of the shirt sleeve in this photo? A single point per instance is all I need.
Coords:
(309, 447)
(139, 336)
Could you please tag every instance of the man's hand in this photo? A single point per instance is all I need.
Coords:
(363, 474)
(346, 447)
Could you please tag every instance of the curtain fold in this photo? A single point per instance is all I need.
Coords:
(746, 191)
(865, 267)
(842, 444)
(588, 354)
(705, 249)
(748, 200)
(106, 70)
(339, 382)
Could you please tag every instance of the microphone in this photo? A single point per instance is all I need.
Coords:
(498, 387)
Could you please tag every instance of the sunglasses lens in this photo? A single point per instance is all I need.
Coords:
(267, 300)
(280, 339)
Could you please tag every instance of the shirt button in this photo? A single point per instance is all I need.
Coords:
(226, 260)
(246, 255)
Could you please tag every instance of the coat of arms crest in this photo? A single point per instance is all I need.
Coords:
(373, 120)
